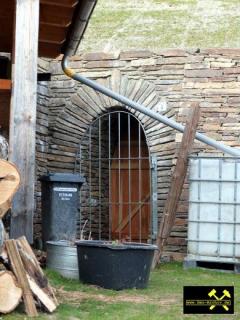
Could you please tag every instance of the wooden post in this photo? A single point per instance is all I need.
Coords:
(23, 114)
(177, 182)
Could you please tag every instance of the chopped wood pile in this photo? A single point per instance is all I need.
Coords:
(22, 280)
(21, 277)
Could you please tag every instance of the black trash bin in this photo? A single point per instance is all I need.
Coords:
(60, 206)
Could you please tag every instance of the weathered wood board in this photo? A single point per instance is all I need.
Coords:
(23, 114)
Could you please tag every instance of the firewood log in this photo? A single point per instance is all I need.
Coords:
(33, 268)
(10, 292)
(48, 303)
(9, 183)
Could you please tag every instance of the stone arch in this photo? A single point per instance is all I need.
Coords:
(85, 105)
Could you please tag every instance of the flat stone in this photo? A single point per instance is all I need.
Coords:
(135, 54)
(226, 92)
(203, 73)
(204, 85)
(43, 64)
(207, 104)
(193, 66)
(97, 74)
(222, 64)
(143, 62)
(92, 56)
(172, 53)
(234, 100)
(235, 70)
(211, 127)
(221, 51)
(105, 64)
(172, 60)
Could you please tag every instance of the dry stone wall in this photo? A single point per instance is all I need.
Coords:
(167, 81)
(42, 140)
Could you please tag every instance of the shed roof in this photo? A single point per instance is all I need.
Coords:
(62, 24)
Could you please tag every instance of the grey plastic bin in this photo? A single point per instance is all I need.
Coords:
(60, 206)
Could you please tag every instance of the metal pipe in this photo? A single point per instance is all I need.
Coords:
(152, 114)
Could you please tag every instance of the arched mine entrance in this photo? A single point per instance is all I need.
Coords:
(116, 197)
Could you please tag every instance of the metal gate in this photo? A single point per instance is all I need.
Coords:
(116, 199)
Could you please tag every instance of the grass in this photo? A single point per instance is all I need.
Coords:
(157, 24)
(162, 300)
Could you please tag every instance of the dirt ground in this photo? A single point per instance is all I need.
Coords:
(75, 297)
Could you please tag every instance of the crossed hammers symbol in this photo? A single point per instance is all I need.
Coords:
(226, 293)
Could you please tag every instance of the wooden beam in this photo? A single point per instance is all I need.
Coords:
(5, 109)
(5, 84)
(51, 13)
(55, 42)
(60, 3)
(23, 114)
(56, 25)
(49, 50)
(48, 32)
(178, 178)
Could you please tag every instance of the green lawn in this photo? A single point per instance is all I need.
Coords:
(157, 24)
(161, 300)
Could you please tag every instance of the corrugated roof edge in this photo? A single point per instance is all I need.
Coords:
(81, 19)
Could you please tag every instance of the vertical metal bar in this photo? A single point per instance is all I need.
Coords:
(235, 209)
(80, 159)
(199, 204)
(154, 197)
(149, 201)
(109, 178)
(129, 178)
(90, 179)
(99, 181)
(219, 206)
(139, 182)
(119, 172)
(80, 195)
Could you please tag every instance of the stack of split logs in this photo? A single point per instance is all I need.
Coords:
(21, 277)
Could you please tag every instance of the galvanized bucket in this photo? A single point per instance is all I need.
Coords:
(62, 257)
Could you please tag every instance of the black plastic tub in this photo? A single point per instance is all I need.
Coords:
(115, 266)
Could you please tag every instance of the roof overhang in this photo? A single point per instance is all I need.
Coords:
(62, 24)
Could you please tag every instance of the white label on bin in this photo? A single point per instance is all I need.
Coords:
(65, 189)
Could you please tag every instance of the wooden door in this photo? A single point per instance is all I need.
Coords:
(130, 192)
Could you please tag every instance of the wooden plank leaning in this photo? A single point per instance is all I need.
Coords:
(177, 182)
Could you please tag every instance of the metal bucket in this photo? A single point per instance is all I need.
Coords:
(62, 257)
